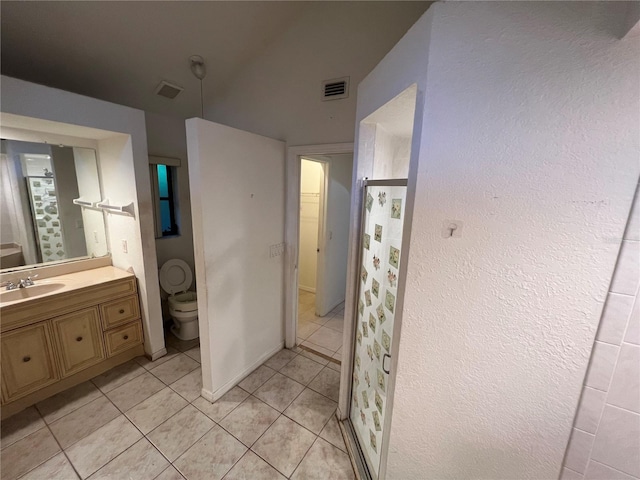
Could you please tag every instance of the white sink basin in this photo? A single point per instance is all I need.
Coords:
(29, 292)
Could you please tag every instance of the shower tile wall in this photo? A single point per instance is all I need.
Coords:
(605, 443)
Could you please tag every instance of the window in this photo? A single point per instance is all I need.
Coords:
(162, 183)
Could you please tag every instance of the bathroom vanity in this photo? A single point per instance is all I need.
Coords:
(64, 330)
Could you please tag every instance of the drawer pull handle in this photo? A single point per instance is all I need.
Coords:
(79, 339)
(126, 337)
(121, 310)
(26, 359)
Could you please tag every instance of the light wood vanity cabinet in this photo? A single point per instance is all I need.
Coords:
(53, 343)
(28, 361)
(79, 340)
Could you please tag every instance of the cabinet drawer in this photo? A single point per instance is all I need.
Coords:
(123, 338)
(119, 311)
(78, 337)
(28, 361)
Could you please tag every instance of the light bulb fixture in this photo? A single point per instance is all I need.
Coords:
(198, 67)
(199, 70)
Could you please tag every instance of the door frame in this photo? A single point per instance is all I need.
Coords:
(292, 227)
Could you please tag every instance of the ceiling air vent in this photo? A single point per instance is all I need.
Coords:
(168, 90)
(335, 89)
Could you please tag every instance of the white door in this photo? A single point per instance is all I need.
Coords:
(237, 185)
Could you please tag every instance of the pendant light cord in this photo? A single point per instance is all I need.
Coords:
(201, 101)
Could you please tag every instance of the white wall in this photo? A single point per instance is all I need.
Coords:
(605, 441)
(311, 181)
(529, 137)
(336, 241)
(121, 137)
(166, 137)
(237, 197)
(278, 94)
(66, 190)
(86, 165)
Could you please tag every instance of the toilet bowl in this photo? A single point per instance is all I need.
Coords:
(175, 279)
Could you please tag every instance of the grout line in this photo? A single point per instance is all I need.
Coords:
(609, 466)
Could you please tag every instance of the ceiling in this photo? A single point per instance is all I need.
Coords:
(120, 51)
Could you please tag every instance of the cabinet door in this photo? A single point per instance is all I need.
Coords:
(28, 361)
(79, 339)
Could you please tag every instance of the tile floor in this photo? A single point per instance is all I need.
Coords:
(146, 420)
(321, 334)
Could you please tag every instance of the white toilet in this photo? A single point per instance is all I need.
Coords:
(176, 278)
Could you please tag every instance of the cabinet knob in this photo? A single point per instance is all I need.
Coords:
(126, 337)
(26, 359)
(79, 339)
(121, 310)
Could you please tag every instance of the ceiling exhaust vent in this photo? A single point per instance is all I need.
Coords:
(168, 90)
(335, 89)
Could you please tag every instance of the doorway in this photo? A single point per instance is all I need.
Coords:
(318, 207)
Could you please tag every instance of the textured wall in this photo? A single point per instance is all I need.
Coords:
(529, 137)
(237, 196)
(605, 443)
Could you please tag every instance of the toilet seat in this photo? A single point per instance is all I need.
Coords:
(175, 276)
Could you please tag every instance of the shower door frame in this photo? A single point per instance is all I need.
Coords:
(353, 445)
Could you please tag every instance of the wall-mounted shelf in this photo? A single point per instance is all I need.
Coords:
(84, 203)
(123, 209)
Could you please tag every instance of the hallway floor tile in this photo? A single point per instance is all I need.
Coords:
(147, 420)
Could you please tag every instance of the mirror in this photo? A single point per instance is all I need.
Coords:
(45, 204)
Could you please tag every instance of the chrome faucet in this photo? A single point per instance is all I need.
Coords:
(24, 283)
(9, 285)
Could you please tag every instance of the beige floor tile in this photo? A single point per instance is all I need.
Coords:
(249, 420)
(327, 383)
(211, 457)
(118, 376)
(102, 446)
(257, 378)
(170, 474)
(317, 349)
(141, 461)
(284, 444)
(327, 338)
(301, 369)
(280, 359)
(223, 406)
(194, 353)
(175, 368)
(135, 391)
(28, 453)
(83, 421)
(332, 434)
(279, 391)
(336, 323)
(337, 356)
(311, 410)
(56, 468)
(190, 386)
(177, 434)
(321, 459)
(252, 467)
(148, 364)
(66, 402)
(182, 345)
(305, 329)
(150, 413)
(20, 425)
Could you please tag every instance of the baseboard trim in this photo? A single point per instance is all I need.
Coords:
(159, 354)
(307, 289)
(213, 396)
